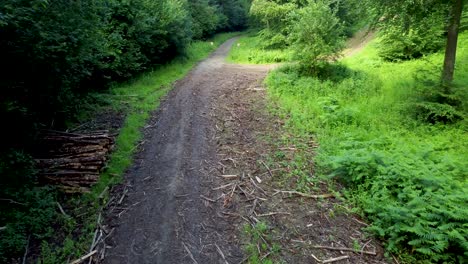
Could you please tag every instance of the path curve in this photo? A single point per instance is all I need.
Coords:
(164, 219)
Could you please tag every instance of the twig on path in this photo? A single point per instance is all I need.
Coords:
(190, 253)
(223, 186)
(233, 190)
(84, 257)
(329, 260)
(268, 168)
(123, 195)
(229, 176)
(360, 222)
(274, 213)
(335, 259)
(258, 187)
(318, 196)
(253, 207)
(221, 253)
(346, 249)
(208, 199)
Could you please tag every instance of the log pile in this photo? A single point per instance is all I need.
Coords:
(73, 161)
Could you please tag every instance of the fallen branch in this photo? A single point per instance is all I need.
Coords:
(84, 257)
(317, 196)
(346, 249)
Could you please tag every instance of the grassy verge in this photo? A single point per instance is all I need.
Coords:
(136, 99)
(407, 176)
(248, 50)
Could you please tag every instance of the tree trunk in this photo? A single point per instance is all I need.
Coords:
(452, 39)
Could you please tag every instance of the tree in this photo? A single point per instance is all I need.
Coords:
(317, 34)
(452, 40)
(406, 17)
(273, 16)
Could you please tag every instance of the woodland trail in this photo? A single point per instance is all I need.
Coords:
(165, 217)
(207, 171)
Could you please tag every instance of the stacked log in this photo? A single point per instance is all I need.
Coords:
(73, 161)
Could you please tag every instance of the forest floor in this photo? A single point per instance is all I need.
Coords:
(205, 186)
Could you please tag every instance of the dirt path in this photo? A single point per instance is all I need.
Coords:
(164, 217)
(210, 169)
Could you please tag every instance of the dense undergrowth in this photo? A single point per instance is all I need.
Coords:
(401, 153)
(32, 214)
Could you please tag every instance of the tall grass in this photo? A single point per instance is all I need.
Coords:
(409, 177)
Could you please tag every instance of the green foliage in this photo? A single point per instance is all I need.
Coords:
(414, 198)
(408, 176)
(58, 51)
(248, 49)
(316, 36)
(205, 18)
(410, 29)
(274, 18)
(26, 209)
(439, 103)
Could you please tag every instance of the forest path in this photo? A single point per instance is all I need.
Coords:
(164, 218)
(216, 177)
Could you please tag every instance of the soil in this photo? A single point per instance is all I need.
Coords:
(205, 171)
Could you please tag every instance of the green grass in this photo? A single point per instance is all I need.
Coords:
(137, 99)
(408, 177)
(248, 50)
